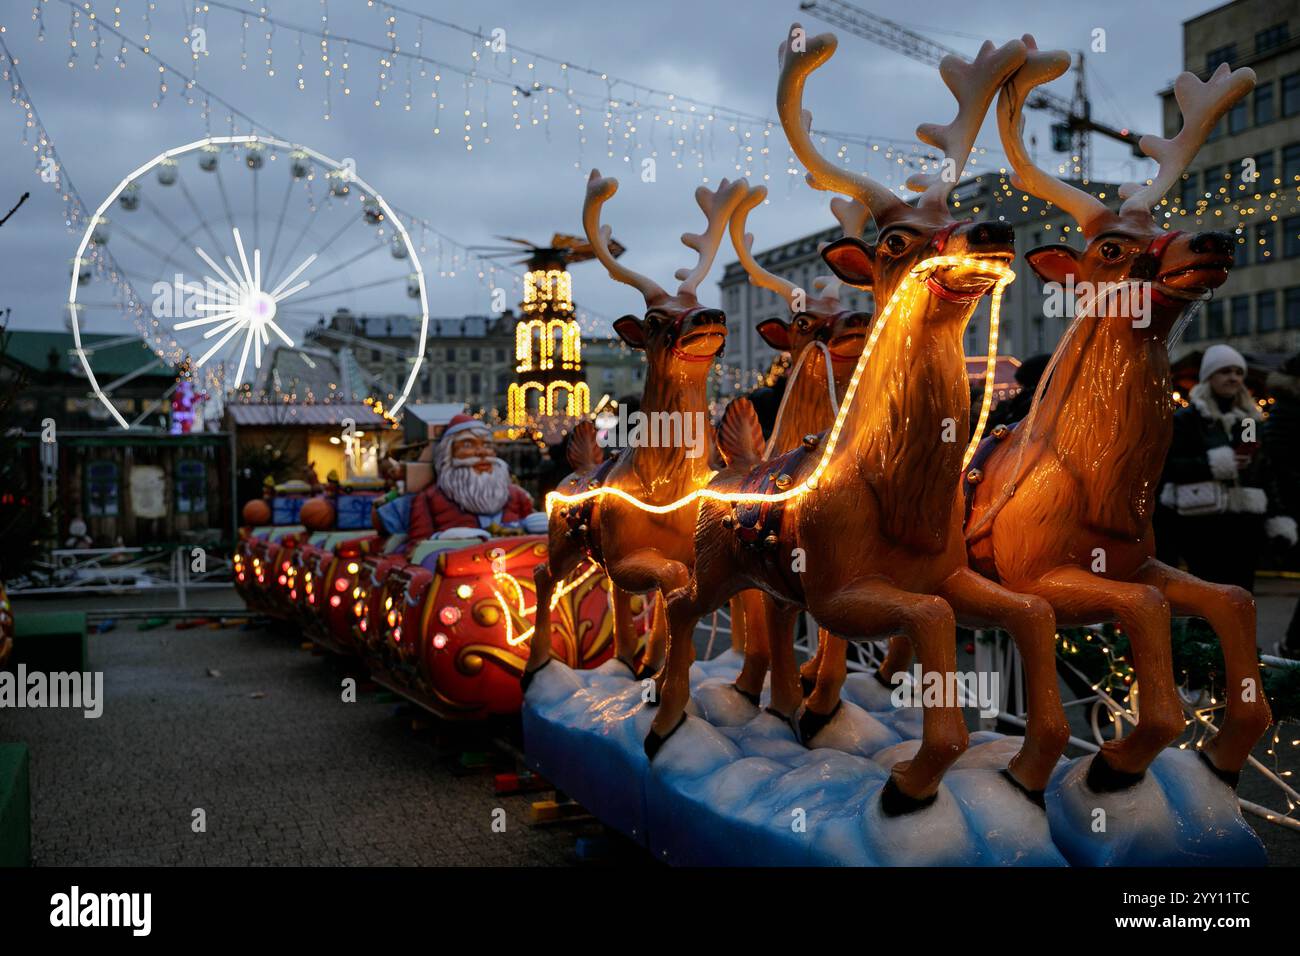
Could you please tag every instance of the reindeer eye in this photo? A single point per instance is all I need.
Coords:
(802, 322)
(1110, 251)
(895, 244)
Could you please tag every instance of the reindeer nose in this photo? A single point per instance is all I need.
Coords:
(987, 234)
(1215, 242)
(709, 317)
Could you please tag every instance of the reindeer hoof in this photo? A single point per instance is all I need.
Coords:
(1033, 796)
(807, 685)
(752, 698)
(527, 676)
(630, 669)
(653, 742)
(811, 723)
(1103, 778)
(1231, 778)
(895, 803)
(646, 672)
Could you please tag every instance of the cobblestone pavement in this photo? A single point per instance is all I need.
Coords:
(252, 729)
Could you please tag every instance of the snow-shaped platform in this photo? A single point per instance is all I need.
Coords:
(733, 786)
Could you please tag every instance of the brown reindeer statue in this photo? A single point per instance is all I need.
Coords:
(872, 505)
(1062, 506)
(824, 342)
(641, 550)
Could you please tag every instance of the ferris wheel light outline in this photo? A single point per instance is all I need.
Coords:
(252, 300)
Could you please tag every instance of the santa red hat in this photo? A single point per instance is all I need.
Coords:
(463, 423)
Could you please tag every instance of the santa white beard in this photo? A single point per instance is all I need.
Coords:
(479, 493)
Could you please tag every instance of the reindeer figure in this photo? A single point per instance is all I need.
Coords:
(877, 511)
(640, 550)
(1062, 506)
(824, 342)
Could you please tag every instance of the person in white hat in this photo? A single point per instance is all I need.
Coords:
(472, 495)
(1216, 480)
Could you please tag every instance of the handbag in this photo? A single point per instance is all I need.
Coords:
(1201, 498)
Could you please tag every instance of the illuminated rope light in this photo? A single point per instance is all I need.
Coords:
(904, 297)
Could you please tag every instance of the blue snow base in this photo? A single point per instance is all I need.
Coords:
(733, 787)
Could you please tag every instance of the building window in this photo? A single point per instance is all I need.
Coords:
(1293, 308)
(1264, 104)
(374, 355)
(1275, 35)
(451, 354)
(503, 383)
(191, 487)
(1214, 319)
(1291, 94)
(1265, 171)
(1291, 237)
(475, 355)
(1193, 332)
(1213, 180)
(451, 384)
(102, 489)
(1291, 164)
(475, 383)
(501, 355)
(1188, 193)
(1264, 241)
(1223, 54)
(1266, 311)
(1241, 315)
(1240, 251)
(1237, 118)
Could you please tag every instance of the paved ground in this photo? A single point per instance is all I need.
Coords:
(285, 771)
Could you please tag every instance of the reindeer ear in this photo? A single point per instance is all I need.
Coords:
(776, 333)
(1053, 263)
(852, 261)
(631, 330)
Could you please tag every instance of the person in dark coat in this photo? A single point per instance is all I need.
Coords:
(1014, 409)
(1282, 448)
(1216, 479)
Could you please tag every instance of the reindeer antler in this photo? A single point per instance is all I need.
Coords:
(599, 189)
(743, 242)
(1202, 105)
(796, 121)
(1041, 66)
(718, 205)
(973, 85)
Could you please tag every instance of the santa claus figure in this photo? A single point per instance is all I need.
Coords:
(472, 495)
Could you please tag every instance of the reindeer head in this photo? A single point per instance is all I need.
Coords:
(675, 328)
(815, 316)
(1128, 245)
(909, 235)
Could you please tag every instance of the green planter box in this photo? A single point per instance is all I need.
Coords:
(50, 641)
(15, 806)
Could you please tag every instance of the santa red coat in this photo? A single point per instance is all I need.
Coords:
(433, 511)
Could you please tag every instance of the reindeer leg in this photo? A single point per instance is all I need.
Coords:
(1143, 612)
(755, 609)
(558, 566)
(897, 658)
(625, 639)
(737, 611)
(1231, 612)
(876, 607)
(656, 640)
(824, 699)
(786, 693)
(1032, 625)
(810, 668)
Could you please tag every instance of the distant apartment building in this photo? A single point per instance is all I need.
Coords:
(1258, 309)
(612, 368)
(1024, 328)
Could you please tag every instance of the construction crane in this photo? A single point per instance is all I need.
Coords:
(1070, 134)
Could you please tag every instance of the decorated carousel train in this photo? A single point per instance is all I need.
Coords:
(443, 620)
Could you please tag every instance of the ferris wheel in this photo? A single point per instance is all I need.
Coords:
(249, 250)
